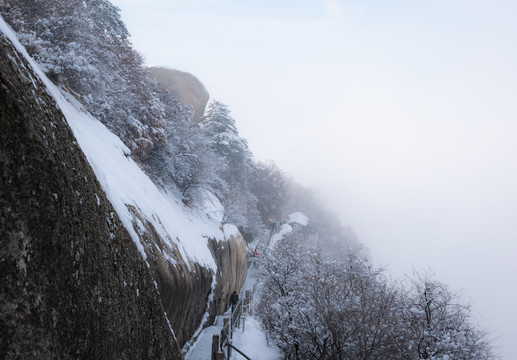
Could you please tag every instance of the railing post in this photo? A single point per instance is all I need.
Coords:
(224, 334)
(227, 324)
(245, 310)
(238, 315)
(215, 347)
(246, 306)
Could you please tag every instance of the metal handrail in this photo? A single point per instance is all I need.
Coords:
(240, 352)
(227, 330)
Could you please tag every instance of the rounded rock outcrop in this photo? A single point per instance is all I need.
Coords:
(189, 90)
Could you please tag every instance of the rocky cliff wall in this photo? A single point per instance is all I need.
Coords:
(191, 294)
(72, 284)
(232, 268)
(184, 286)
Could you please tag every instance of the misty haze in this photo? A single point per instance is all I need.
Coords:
(207, 179)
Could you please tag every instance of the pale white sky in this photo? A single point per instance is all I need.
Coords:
(403, 113)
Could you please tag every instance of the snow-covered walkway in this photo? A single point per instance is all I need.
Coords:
(203, 346)
(249, 338)
(251, 341)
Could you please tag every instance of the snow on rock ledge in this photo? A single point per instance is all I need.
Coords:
(132, 192)
(299, 218)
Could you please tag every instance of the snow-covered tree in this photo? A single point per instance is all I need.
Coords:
(234, 170)
(320, 304)
(224, 139)
(437, 324)
(325, 306)
(280, 302)
(270, 185)
(240, 208)
(106, 19)
(184, 160)
(84, 46)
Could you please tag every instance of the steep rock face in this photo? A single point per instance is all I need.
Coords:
(73, 285)
(184, 287)
(186, 86)
(231, 271)
(188, 290)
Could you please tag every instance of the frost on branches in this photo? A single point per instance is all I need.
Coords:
(438, 324)
(320, 304)
(234, 170)
(84, 46)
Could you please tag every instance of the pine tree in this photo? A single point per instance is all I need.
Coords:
(270, 185)
(236, 166)
(225, 140)
(105, 19)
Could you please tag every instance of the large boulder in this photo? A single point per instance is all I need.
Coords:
(186, 87)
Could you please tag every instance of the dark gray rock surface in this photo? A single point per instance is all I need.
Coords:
(184, 288)
(73, 285)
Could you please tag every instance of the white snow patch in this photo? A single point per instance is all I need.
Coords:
(284, 229)
(230, 230)
(298, 217)
(126, 184)
(212, 207)
(170, 326)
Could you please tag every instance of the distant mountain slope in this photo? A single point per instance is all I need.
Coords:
(186, 86)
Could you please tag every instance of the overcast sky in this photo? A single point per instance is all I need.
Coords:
(402, 113)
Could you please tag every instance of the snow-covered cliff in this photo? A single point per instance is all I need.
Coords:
(71, 201)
